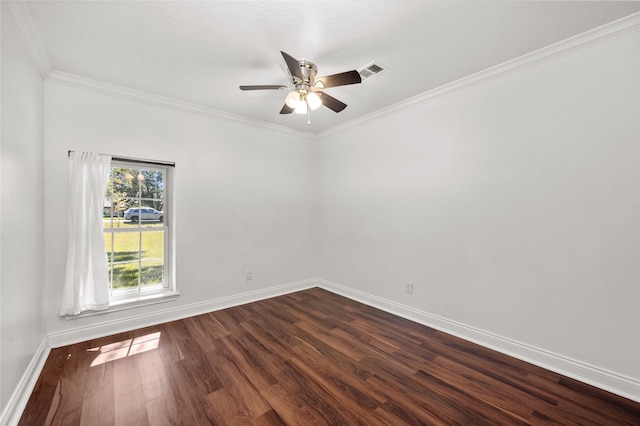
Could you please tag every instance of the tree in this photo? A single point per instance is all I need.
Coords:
(135, 188)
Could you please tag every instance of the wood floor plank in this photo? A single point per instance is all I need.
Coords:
(45, 397)
(509, 371)
(439, 401)
(356, 402)
(483, 387)
(155, 382)
(190, 400)
(164, 410)
(199, 333)
(611, 406)
(312, 395)
(280, 351)
(319, 308)
(98, 407)
(273, 310)
(307, 358)
(350, 334)
(236, 386)
(72, 386)
(408, 412)
(344, 347)
(226, 410)
(389, 337)
(199, 371)
(256, 365)
(458, 405)
(53, 409)
(129, 402)
(337, 379)
(168, 347)
(270, 418)
(214, 328)
(338, 358)
(289, 406)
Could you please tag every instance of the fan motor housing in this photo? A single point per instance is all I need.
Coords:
(309, 70)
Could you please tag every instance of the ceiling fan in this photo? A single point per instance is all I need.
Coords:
(307, 91)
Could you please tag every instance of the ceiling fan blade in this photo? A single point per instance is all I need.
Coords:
(264, 87)
(331, 102)
(286, 109)
(292, 64)
(341, 79)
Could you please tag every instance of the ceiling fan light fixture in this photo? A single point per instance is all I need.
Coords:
(292, 99)
(314, 101)
(301, 107)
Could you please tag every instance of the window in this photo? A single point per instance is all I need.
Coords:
(138, 230)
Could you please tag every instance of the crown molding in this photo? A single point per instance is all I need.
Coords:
(612, 30)
(606, 32)
(78, 82)
(20, 10)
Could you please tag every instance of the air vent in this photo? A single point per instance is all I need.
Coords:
(370, 70)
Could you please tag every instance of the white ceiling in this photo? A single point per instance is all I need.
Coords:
(201, 51)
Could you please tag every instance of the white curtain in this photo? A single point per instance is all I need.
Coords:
(86, 285)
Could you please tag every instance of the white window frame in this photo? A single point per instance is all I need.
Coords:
(144, 295)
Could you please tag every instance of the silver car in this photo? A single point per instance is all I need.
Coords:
(143, 213)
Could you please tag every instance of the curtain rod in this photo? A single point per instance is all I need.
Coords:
(136, 160)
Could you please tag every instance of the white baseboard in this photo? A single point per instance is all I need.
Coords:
(132, 322)
(15, 406)
(613, 382)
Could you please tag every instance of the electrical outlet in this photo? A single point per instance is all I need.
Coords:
(408, 287)
(248, 275)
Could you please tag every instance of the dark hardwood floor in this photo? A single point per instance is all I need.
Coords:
(307, 358)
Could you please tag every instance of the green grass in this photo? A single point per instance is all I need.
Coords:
(126, 275)
(126, 248)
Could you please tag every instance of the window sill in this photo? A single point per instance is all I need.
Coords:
(130, 301)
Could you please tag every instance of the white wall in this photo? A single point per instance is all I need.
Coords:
(243, 193)
(21, 209)
(513, 205)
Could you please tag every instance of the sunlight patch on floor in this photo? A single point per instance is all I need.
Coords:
(124, 348)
